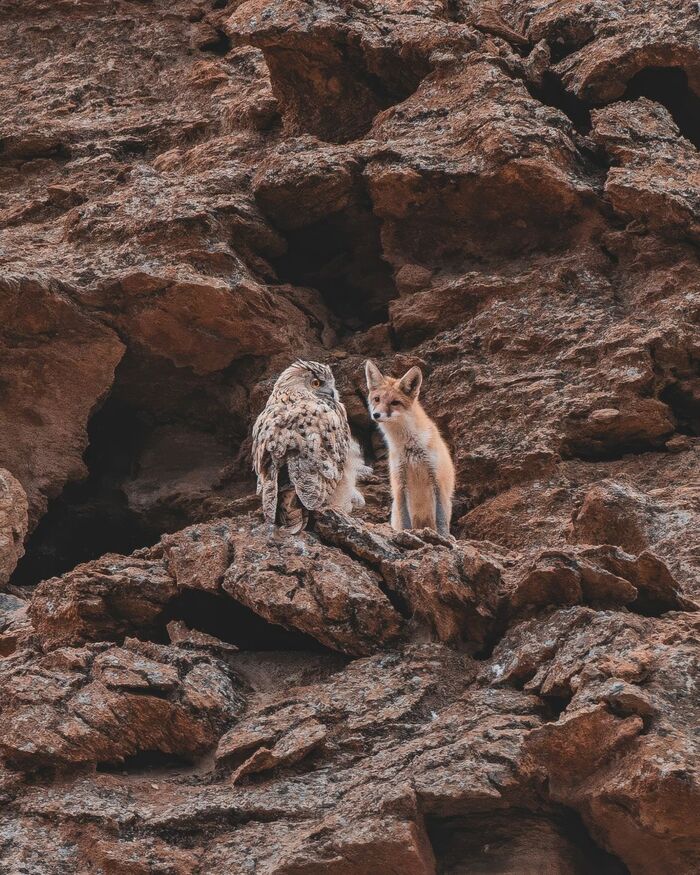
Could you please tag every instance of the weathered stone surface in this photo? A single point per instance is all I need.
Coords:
(101, 705)
(657, 178)
(13, 524)
(16, 629)
(504, 193)
(629, 707)
(102, 601)
(643, 503)
(57, 364)
(296, 583)
(607, 44)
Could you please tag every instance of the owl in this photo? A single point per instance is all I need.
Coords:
(303, 454)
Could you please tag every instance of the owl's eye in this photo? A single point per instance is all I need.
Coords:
(315, 383)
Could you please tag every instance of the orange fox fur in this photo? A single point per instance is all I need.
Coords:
(420, 467)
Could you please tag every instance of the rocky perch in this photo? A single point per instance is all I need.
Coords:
(504, 192)
(351, 700)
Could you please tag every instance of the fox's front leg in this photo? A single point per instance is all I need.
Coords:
(443, 512)
(400, 517)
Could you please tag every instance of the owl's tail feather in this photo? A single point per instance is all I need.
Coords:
(291, 516)
(268, 488)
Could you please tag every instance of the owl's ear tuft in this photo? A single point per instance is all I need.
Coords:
(411, 381)
(373, 375)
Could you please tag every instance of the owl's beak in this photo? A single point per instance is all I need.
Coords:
(328, 392)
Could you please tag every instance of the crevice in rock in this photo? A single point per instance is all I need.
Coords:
(234, 623)
(555, 706)
(517, 840)
(341, 256)
(34, 148)
(669, 86)
(590, 450)
(219, 45)
(397, 601)
(159, 447)
(92, 517)
(685, 405)
(553, 93)
(146, 761)
(566, 43)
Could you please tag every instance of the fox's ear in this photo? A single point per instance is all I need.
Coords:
(373, 374)
(410, 383)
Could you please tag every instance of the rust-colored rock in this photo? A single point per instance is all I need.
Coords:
(658, 176)
(626, 717)
(13, 524)
(503, 193)
(102, 705)
(57, 364)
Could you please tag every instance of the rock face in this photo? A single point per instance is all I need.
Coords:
(13, 524)
(507, 195)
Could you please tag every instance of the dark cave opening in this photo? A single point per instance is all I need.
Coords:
(683, 397)
(552, 93)
(569, 38)
(159, 448)
(669, 87)
(341, 256)
(146, 761)
(517, 841)
(219, 45)
(91, 517)
(227, 619)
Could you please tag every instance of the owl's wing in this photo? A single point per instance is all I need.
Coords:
(318, 467)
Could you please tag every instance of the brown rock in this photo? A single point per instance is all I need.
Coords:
(627, 719)
(296, 583)
(657, 179)
(48, 394)
(104, 600)
(13, 524)
(504, 193)
(97, 705)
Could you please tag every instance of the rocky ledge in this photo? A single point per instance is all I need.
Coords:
(351, 700)
(505, 193)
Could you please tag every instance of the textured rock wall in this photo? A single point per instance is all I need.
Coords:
(191, 194)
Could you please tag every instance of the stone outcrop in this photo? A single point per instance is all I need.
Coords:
(504, 193)
(13, 524)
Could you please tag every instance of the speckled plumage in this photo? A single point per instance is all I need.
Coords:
(301, 442)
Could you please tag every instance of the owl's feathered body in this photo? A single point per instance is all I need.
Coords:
(301, 445)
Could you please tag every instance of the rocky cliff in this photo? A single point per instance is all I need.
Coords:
(505, 192)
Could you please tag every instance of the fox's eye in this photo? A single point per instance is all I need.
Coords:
(395, 403)
(315, 383)
(376, 399)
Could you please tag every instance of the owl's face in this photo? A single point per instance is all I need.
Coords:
(312, 377)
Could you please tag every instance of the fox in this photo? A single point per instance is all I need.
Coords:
(421, 471)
